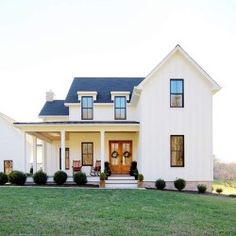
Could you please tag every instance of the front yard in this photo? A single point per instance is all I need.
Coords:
(65, 211)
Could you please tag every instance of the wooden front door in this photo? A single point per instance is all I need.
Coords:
(120, 156)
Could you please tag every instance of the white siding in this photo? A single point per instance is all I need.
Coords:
(159, 121)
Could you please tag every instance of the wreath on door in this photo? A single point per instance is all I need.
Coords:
(126, 154)
(114, 154)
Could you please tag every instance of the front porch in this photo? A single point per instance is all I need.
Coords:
(63, 143)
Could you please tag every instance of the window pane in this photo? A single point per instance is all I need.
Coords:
(177, 150)
(122, 113)
(89, 102)
(176, 86)
(87, 154)
(176, 101)
(122, 102)
(117, 102)
(89, 114)
(84, 101)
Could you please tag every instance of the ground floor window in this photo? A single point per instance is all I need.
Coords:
(177, 150)
(8, 166)
(67, 158)
(87, 154)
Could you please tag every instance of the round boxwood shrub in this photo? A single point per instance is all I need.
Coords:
(17, 177)
(180, 184)
(160, 184)
(202, 188)
(80, 178)
(60, 177)
(219, 190)
(40, 177)
(3, 178)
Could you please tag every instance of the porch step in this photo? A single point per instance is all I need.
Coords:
(121, 182)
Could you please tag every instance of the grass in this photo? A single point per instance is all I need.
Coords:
(228, 186)
(65, 211)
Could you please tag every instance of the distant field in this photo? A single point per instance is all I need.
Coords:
(228, 186)
(65, 211)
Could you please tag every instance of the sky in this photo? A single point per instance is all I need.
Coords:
(44, 44)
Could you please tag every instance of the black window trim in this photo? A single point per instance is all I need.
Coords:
(120, 108)
(66, 150)
(86, 108)
(83, 155)
(177, 135)
(177, 79)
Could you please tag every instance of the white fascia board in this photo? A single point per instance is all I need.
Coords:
(87, 93)
(53, 116)
(178, 48)
(135, 95)
(67, 104)
(120, 93)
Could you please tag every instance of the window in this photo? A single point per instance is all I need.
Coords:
(67, 158)
(177, 150)
(8, 166)
(120, 108)
(87, 154)
(87, 108)
(176, 93)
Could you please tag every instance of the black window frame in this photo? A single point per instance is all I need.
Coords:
(67, 155)
(182, 94)
(120, 108)
(86, 108)
(82, 154)
(171, 151)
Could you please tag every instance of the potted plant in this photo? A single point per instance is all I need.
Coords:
(103, 177)
(140, 180)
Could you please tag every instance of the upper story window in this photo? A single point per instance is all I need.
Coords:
(120, 107)
(176, 93)
(87, 108)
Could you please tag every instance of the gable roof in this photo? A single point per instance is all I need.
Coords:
(178, 48)
(54, 108)
(103, 87)
(7, 118)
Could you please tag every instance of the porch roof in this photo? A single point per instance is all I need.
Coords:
(79, 126)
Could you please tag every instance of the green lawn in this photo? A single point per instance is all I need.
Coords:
(51, 211)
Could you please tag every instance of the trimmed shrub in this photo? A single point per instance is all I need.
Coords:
(103, 176)
(201, 188)
(107, 168)
(160, 184)
(17, 177)
(140, 177)
(80, 178)
(219, 190)
(180, 184)
(3, 178)
(133, 167)
(40, 177)
(60, 177)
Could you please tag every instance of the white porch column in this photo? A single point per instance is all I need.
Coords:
(25, 152)
(34, 154)
(63, 150)
(102, 148)
(44, 157)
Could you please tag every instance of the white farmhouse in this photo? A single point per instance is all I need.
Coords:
(162, 121)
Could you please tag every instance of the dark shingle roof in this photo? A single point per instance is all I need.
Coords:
(103, 86)
(54, 108)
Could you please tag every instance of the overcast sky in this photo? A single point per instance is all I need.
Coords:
(45, 43)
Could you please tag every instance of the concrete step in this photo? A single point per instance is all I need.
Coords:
(113, 177)
(121, 182)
